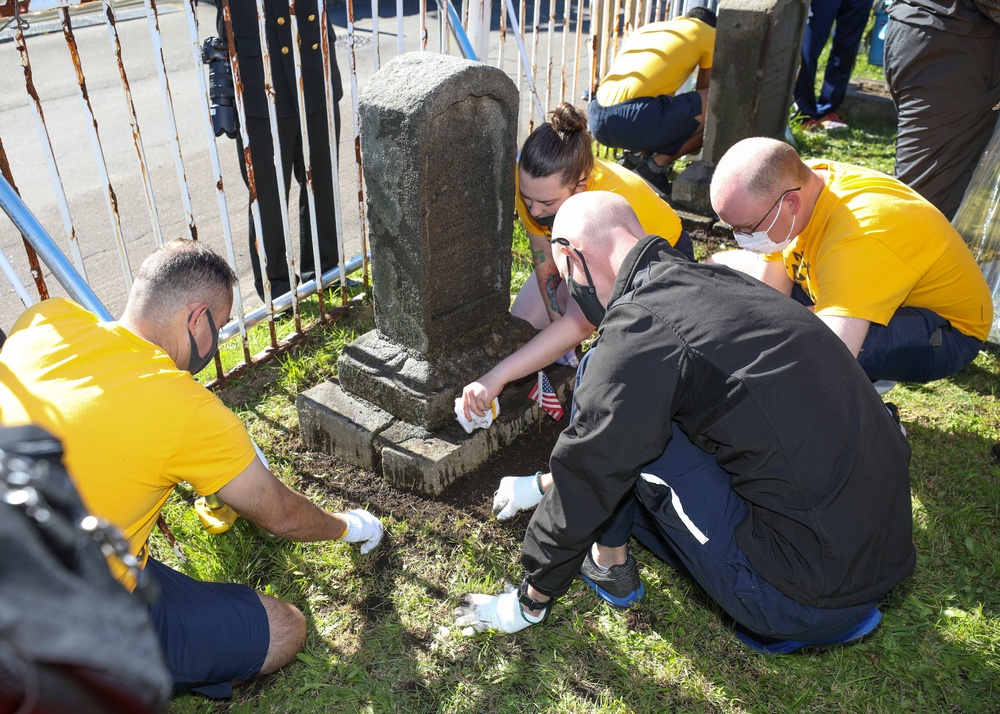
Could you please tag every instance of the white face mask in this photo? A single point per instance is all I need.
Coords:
(760, 241)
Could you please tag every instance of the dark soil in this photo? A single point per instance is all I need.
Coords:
(471, 495)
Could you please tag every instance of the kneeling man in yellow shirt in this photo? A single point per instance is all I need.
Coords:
(877, 262)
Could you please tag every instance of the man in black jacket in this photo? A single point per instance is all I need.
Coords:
(279, 41)
(730, 432)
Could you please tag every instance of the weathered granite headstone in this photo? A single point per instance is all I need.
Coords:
(757, 49)
(438, 140)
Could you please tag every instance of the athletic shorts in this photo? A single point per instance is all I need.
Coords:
(212, 634)
(659, 124)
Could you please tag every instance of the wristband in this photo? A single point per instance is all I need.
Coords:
(538, 482)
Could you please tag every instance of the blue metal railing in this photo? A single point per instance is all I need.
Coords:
(47, 250)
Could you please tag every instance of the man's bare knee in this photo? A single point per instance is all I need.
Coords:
(288, 633)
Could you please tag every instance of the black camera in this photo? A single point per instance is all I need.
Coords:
(220, 87)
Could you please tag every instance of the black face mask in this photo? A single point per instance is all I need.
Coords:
(585, 295)
(198, 362)
(545, 221)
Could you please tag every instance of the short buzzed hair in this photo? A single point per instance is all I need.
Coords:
(704, 14)
(766, 167)
(177, 273)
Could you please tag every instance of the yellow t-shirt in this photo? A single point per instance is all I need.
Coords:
(132, 424)
(657, 59)
(655, 215)
(874, 245)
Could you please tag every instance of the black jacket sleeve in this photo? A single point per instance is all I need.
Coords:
(625, 405)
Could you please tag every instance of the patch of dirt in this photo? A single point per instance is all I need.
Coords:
(470, 496)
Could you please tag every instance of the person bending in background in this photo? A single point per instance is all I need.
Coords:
(556, 162)
(635, 107)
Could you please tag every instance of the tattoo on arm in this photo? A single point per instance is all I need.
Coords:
(552, 291)
(538, 257)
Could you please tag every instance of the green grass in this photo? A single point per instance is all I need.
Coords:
(380, 636)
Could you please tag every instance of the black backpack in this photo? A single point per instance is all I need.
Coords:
(72, 638)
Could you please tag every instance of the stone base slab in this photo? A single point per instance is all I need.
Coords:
(409, 456)
(691, 189)
(421, 389)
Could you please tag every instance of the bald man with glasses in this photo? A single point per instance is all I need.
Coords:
(876, 262)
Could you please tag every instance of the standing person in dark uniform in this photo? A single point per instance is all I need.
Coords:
(941, 62)
(279, 39)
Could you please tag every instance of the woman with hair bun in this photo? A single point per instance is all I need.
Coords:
(556, 162)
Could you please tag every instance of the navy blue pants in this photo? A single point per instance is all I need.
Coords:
(850, 16)
(660, 124)
(686, 512)
(212, 634)
(685, 495)
(917, 345)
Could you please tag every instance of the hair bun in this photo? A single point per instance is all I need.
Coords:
(567, 119)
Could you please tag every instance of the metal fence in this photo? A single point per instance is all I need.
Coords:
(107, 148)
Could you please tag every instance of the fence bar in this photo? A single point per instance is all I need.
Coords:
(536, 20)
(272, 116)
(306, 149)
(248, 164)
(42, 243)
(356, 118)
(503, 33)
(152, 18)
(36, 269)
(133, 120)
(50, 158)
(423, 25)
(331, 127)
(375, 38)
(463, 39)
(213, 152)
(8, 270)
(579, 41)
(524, 62)
(110, 198)
(550, 43)
(399, 27)
(567, 10)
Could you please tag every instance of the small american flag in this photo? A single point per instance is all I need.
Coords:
(545, 396)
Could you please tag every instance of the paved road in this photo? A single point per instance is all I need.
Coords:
(67, 124)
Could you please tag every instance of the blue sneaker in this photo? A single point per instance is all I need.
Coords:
(767, 646)
(619, 585)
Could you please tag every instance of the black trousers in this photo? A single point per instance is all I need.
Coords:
(265, 179)
(944, 86)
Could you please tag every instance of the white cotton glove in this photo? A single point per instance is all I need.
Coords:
(516, 493)
(362, 527)
(493, 612)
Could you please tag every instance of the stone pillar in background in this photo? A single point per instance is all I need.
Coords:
(438, 141)
(758, 44)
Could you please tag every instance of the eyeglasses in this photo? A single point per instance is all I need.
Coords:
(757, 224)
